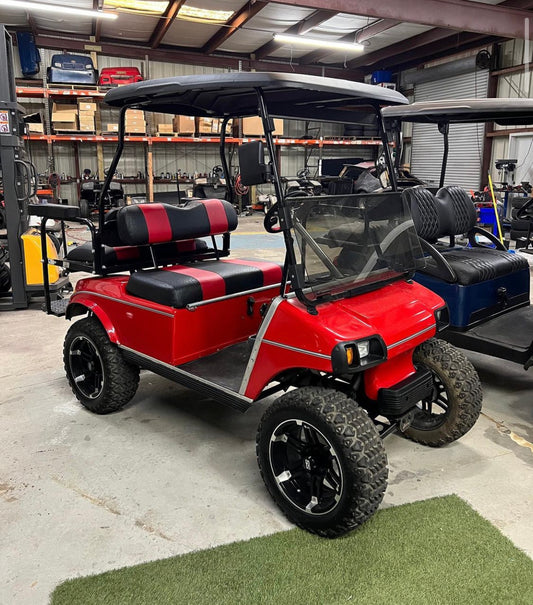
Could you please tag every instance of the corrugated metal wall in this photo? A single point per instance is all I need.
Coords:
(188, 158)
(466, 140)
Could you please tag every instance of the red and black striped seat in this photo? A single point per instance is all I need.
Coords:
(183, 285)
(155, 235)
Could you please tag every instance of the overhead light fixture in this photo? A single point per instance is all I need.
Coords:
(146, 7)
(203, 15)
(67, 11)
(326, 44)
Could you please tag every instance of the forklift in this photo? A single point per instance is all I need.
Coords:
(22, 279)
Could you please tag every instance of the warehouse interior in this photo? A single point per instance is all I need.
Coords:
(437, 145)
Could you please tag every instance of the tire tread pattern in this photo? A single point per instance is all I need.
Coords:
(121, 377)
(463, 388)
(358, 442)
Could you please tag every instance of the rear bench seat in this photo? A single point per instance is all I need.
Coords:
(152, 235)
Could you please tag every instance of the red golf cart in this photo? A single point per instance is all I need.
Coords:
(340, 329)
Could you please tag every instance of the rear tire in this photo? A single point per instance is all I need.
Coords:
(84, 208)
(96, 370)
(322, 460)
(457, 396)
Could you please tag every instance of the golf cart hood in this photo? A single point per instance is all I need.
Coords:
(505, 112)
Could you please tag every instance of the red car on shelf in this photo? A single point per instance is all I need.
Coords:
(118, 76)
(339, 330)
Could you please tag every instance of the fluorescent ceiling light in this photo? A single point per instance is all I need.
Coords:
(54, 8)
(147, 7)
(326, 44)
(203, 15)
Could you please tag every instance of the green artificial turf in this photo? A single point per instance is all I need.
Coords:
(431, 552)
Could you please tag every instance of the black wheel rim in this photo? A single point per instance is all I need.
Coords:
(434, 410)
(86, 367)
(305, 467)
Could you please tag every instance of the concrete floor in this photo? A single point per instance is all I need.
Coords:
(174, 472)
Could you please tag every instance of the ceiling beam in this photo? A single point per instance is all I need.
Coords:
(358, 36)
(384, 54)
(453, 43)
(477, 42)
(303, 26)
(462, 15)
(188, 57)
(164, 23)
(390, 56)
(236, 22)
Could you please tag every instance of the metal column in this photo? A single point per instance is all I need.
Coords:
(11, 150)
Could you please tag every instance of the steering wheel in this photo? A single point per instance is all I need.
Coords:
(524, 212)
(303, 173)
(271, 220)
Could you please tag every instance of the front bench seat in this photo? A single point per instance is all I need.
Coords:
(183, 285)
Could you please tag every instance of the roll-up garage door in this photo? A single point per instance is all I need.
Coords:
(466, 140)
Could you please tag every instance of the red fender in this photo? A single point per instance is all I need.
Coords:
(91, 305)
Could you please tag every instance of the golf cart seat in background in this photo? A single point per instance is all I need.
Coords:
(475, 280)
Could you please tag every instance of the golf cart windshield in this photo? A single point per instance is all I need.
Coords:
(352, 242)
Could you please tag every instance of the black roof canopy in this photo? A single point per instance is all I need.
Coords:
(234, 94)
(503, 111)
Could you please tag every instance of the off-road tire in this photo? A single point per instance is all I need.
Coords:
(462, 389)
(116, 380)
(358, 449)
(85, 211)
(5, 279)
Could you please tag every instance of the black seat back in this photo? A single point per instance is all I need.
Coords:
(457, 209)
(428, 214)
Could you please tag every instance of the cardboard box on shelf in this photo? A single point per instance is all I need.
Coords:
(86, 105)
(184, 124)
(111, 127)
(72, 125)
(135, 113)
(87, 127)
(204, 125)
(165, 129)
(36, 127)
(253, 127)
(136, 129)
(65, 116)
(86, 116)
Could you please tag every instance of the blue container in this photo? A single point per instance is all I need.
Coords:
(488, 217)
(380, 76)
(28, 53)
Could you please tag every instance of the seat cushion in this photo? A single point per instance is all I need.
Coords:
(474, 265)
(183, 285)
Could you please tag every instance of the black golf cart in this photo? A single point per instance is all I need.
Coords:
(485, 285)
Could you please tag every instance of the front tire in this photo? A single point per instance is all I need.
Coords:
(322, 460)
(97, 373)
(455, 404)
